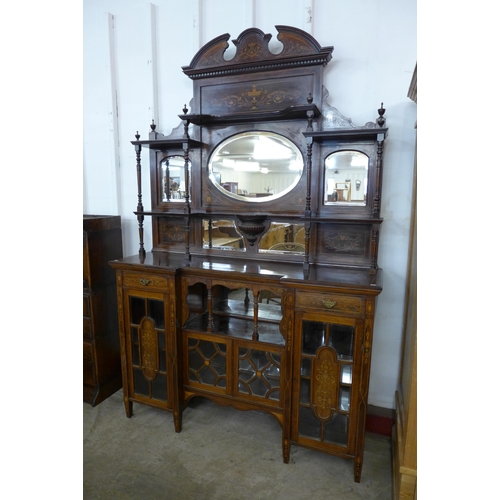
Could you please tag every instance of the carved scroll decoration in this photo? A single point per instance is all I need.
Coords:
(252, 47)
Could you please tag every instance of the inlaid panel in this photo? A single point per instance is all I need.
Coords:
(325, 382)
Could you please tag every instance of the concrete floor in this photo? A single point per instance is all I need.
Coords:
(221, 454)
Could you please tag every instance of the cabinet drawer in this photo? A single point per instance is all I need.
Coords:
(149, 281)
(337, 303)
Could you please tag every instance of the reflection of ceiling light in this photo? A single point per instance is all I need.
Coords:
(295, 165)
(247, 166)
(359, 161)
(266, 149)
(227, 162)
(264, 170)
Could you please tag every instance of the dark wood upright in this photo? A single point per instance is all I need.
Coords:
(404, 439)
(102, 241)
(260, 289)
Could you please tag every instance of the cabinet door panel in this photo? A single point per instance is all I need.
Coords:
(147, 346)
(206, 363)
(324, 399)
(259, 373)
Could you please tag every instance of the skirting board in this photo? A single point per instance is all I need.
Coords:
(380, 420)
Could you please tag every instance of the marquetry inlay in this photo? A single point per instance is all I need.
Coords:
(149, 348)
(367, 342)
(343, 242)
(252, 49)
(324, 380)
(172, 233)
(256, 98)
(286, 324)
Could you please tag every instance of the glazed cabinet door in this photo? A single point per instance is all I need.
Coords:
(326, 378)
(147, 346)
(236, 345)
(331, 365)
(147, 335)
(232, 341)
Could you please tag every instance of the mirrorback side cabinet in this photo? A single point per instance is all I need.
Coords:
(260, 288)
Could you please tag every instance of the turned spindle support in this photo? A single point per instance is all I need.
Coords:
(140, 208)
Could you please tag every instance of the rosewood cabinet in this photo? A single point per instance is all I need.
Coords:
(102, 241)
(260, 288)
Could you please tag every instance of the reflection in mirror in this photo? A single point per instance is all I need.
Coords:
(256, 166)
(269, 297)
(222, 235)
(173, 183)
(346, 178)
(240, 301)
(283, 238)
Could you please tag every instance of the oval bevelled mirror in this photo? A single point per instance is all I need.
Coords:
(173, 179)
(346, 178)
(255, 166)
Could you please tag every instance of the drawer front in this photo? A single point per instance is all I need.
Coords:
(147, 281)
(88, 353)
(336, 303)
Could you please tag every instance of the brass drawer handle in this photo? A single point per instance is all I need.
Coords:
(329, 304)
(144, 282)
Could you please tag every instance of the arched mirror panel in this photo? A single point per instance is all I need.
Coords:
(346, 178)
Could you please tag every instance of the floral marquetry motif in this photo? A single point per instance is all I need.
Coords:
(251, 50)
(325, 371)
(172, 233)
(149, 348)
(254, 97)
(343, 242)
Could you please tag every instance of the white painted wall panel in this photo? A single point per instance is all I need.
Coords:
(373, 60)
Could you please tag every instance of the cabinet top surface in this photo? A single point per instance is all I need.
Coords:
(96, 223)
(285, 272)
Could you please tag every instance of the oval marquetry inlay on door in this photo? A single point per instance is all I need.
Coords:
(149, 348)
(324, 382)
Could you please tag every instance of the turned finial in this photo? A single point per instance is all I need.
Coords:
(137, 136)
(153, 125)
(381, 119)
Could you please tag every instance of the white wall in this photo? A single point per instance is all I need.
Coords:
(133, 53)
